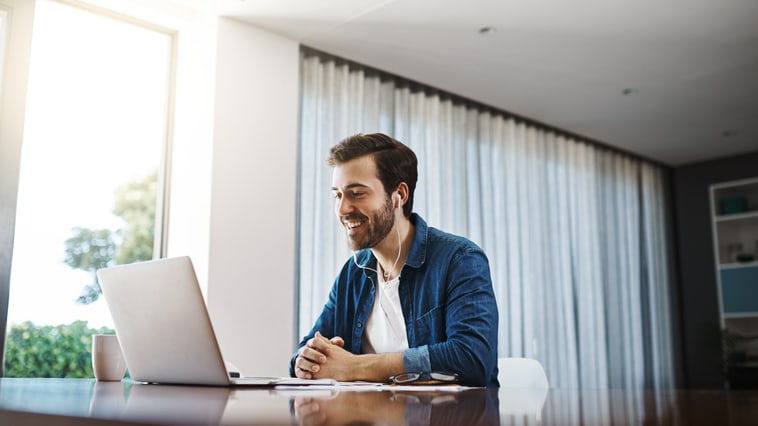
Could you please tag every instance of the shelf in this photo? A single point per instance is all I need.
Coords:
(748, 364)
(738, 265)
(741, 315)
(734, 200)
(739, 291)
(736, 216)
(729, 187)
(736, 234)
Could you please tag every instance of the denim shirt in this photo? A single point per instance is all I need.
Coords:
(448, 303)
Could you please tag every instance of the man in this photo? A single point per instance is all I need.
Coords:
(412, 298)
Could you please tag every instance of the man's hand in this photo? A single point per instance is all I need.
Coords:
(322, 358)
(312, 357)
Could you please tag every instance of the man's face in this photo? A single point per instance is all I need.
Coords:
(360, 203)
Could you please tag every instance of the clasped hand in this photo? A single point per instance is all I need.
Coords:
(323, 358)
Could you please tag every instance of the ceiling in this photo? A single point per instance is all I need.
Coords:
(672, 81)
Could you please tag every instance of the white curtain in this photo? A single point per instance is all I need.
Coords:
(575, 232)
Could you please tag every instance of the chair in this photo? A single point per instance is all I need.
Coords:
(521, 373)
(523, 388)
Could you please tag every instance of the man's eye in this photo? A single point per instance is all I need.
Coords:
(357, 194)
(337, 195)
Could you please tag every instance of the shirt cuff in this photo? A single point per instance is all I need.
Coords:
(417, 359)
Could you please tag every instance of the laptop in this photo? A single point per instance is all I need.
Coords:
(164, 328)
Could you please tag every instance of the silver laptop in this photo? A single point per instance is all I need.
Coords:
(164, 328)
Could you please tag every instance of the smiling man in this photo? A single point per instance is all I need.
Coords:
(413, 302)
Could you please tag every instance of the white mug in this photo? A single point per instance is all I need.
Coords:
(107, 360)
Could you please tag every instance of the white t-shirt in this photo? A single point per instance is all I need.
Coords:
(385, 327)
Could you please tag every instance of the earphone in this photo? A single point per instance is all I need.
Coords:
(389, 272)
(399, 251)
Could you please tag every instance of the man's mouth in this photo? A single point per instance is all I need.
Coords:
(352, 223)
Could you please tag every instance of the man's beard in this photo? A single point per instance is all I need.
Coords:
(376, 230)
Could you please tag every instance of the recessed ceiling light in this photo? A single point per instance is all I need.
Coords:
(487, 30)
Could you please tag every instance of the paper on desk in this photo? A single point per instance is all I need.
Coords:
(391, 387)
(361, 384)
(427, 388)
(320, 385)
(297, 382)
(377, 386)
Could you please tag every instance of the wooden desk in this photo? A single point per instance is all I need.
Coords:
(86, 402)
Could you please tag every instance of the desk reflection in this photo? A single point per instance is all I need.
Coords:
(33, 401)
(195, 405)
(471, 407)
(523, 404)
(190, 405)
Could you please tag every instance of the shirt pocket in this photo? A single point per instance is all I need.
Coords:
(430, 326)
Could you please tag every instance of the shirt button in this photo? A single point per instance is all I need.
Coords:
(359, 325)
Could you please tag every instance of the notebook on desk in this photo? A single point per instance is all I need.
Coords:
(164, 328)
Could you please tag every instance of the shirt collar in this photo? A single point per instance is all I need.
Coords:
(417, 255)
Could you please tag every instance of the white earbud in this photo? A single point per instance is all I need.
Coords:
(399, 198)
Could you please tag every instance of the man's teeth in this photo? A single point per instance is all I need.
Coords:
(352, 224)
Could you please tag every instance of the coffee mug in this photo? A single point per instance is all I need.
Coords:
(107, 360)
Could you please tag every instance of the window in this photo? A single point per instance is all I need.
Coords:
(91, 174)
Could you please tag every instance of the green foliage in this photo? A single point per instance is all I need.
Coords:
(62, 351)
(92, 249)
(89, 250)
(135, 203)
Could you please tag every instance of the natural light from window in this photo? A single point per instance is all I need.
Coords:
(95, 122)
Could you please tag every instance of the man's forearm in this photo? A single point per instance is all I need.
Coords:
(377, 367)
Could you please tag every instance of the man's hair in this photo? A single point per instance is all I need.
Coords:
(395, 162)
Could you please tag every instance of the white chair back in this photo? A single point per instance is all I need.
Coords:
(521, 373)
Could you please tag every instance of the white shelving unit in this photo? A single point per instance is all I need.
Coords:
(734, 210)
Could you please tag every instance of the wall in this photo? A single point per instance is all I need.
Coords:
(190, 178)
(697, 271)
(251, 277)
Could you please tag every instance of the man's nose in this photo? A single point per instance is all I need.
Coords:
(343, 206)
